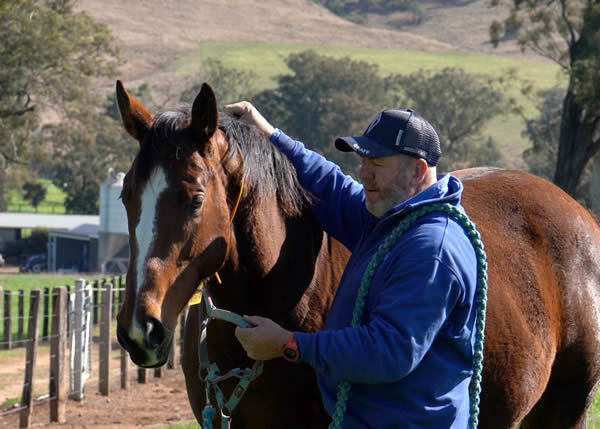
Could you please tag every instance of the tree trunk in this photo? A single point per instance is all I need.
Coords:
(576, 145)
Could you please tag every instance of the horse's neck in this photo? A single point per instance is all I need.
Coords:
(272, 264)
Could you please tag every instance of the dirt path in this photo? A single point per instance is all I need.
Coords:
(159, 402)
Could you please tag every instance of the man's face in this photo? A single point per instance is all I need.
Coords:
(388, 181)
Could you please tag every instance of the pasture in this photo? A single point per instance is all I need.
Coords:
(267, 61)
(53, 203)
(27, 282)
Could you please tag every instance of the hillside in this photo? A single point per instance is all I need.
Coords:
(155, 32)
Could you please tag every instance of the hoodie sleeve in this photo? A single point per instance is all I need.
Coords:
(340, 200)
(413, 305)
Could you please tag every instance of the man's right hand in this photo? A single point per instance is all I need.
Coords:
(248, 113)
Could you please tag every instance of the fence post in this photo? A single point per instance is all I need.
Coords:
(95, 286)
(141, 375)
(114, 297)
(121, 287)
(124, 369)
(69, 309)
(46, 314)
(33, 331)
(105, 342)
(58, 393)
(7, 319)
(80, 345)
(21, 317)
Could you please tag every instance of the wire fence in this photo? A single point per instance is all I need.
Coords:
(80, 331)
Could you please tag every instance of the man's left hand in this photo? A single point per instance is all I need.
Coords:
(265, 340)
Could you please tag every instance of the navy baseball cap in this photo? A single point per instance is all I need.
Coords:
(395, 131)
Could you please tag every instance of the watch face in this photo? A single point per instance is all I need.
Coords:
(291, 354)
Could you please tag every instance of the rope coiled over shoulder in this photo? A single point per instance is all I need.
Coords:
(480, 302)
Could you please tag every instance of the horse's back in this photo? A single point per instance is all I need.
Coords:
(542, 350)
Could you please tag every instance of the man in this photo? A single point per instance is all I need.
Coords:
(409, 361)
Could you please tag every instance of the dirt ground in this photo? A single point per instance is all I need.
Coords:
(160, 401)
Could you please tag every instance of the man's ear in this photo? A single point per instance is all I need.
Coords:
(421, 168)
(136, 118)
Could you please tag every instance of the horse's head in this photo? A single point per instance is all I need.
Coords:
(178, 212)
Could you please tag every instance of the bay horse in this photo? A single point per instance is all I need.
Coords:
(542, 346)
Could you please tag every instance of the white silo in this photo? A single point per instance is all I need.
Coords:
(113, 247)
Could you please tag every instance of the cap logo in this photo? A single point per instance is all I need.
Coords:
(399, 137)
(373, 123)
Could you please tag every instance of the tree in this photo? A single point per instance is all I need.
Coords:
(86, 146)
(544, 132)
(324, 98)
(48, 54)
(458, 105)
(34, 193)
(230, 84)
(567, 32)
(356, 9)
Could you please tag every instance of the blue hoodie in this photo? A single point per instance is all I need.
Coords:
(410, 361)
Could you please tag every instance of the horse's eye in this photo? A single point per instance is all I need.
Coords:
(197, 201)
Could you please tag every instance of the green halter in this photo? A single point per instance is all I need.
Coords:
(481, 302)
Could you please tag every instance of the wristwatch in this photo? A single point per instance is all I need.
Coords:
(290, 350)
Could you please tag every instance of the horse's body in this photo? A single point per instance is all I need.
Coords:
(542, 349)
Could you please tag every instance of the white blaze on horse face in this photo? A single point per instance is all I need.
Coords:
(144, 231)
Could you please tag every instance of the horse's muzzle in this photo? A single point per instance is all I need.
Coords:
(154, 351)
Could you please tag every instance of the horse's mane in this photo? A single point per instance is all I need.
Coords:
(267, 172)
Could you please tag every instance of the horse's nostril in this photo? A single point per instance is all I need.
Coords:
(155, 333)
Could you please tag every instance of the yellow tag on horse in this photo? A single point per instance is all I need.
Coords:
(197, 296)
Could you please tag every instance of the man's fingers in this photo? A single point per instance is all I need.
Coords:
(238, 109)
(254, 320)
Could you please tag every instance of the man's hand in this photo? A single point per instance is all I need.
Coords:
(248, 113)
(265, 340)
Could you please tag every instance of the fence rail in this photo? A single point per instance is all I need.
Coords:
(63, 311)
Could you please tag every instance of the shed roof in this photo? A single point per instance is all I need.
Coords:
(10, 220)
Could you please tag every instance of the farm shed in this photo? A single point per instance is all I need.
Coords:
(12, 224)
(74, 250)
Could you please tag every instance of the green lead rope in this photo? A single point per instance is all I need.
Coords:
(481, 302)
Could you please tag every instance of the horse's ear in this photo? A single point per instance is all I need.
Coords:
(205, 117)
(136, 118)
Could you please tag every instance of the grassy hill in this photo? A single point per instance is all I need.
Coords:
(164, 42)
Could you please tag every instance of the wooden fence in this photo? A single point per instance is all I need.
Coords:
(53, 319)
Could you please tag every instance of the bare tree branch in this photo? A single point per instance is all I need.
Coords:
(568, 23)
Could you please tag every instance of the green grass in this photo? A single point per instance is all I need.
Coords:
(10, 402)
(27, 282)
(188, 425)
(267, 61)
(53, 203)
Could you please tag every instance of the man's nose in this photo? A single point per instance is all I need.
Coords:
(364, 172)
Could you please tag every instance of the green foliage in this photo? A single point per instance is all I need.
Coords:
(49, 53)
(36, 242)
(75, 48)
(34, 193)
(567, 32)
(458, 105)
(325, 98)
(229, 83)
(355, 8)
(52, 203)
(543, 132)
(86, 145)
